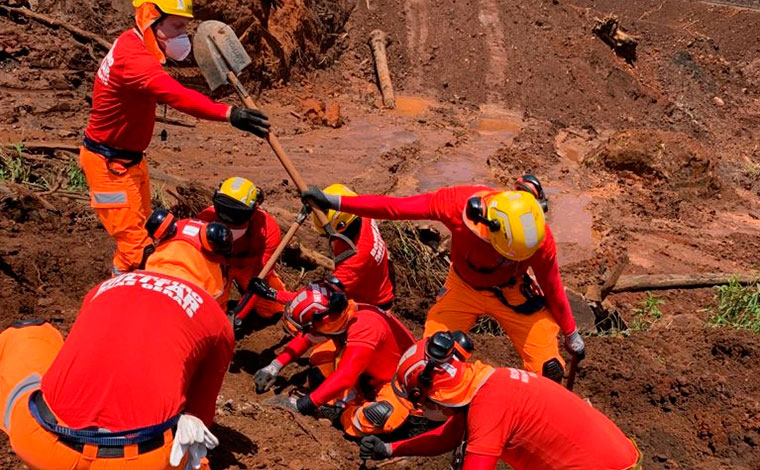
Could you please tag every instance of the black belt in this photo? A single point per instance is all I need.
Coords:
(129, 157)
(104, 451)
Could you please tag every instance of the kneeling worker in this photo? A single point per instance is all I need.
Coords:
(256, 234)
(135, 383)
(369, 342)
(523, 419)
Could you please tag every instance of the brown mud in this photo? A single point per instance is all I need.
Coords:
(657, 161)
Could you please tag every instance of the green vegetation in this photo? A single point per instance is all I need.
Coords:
(76, 180)
(487, 326)
(648, 314)
(12, 166)
(737, 306)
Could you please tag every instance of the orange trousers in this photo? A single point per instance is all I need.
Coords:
(122, 202)
(326, 357)
(459, 306)
(25, 355)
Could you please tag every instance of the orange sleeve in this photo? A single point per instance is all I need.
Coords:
(546, 268)
(273, 236)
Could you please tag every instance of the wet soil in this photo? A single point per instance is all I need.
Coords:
(656, 161)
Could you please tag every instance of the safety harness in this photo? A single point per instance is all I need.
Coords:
(126, 158)
(110, 444)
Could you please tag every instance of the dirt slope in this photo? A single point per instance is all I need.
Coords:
(656, 161)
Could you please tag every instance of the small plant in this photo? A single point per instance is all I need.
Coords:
(737, 306)
(487, 326)
(158, 198)
(76, 180)
(14, 169)
(648, 314)
(752, 170)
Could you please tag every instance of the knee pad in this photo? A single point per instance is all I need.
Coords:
(553, 370)
(29, 322)
(378, 413)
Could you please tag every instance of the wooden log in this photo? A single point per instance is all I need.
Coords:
(634, 283)
(377, 41)
(54, 22)
(309, 256)
(46, 146)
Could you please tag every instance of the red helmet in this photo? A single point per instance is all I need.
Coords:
(436, 369)
(321, 308)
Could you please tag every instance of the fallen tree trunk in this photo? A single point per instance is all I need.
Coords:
(634, 283)
(50, 21)
(46, 146)
(377, 41)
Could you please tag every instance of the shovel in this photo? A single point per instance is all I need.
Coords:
(222, 57)
(235, 314)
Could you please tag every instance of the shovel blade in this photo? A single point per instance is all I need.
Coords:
(217, 51)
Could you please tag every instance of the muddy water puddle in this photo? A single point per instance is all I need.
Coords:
(413, 106)
(467, 163)
(572, 225)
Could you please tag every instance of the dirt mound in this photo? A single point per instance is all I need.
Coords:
(657, 157)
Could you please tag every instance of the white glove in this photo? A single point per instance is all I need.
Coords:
(193, 438)
(575, 345)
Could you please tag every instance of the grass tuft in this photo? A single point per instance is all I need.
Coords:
(648, 314)
(737, 306)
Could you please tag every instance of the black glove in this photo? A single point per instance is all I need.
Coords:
(372, 447)
(305, 406)
(318, 197)
(260, 288)
(250, 120)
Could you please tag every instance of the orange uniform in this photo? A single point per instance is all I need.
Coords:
(252, 247)
(373, 344)
(530, 423)
(128, 85)
(144, 348)
(481, 281)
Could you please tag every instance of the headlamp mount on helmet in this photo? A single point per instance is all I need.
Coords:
(441, 348)
(476, 212)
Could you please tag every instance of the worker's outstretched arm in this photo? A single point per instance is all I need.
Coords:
(479, 462)
(437, 441)
(546, 268)
(353, 362)
(167, 90)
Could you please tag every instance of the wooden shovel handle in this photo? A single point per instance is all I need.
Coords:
(573, 370)
(280, 248)
(287, 163)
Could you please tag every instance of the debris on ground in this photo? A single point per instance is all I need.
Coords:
(609, 30)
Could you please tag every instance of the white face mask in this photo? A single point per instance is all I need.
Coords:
(237, 233)
(178, 47)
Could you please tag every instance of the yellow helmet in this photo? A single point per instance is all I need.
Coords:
(236, 199)
(339, 220)
(170, 7)
(512, 221)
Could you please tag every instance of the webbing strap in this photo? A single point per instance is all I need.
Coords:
(99, 438)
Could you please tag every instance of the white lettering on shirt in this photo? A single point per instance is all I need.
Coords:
(188, 299)
(378, 244)
(104, 71)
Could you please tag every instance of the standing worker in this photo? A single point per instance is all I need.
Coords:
(136, 381)
(128, 85)
(506, 414)
(495, 237)
(255, 233)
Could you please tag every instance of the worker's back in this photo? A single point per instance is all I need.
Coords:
(132, 355)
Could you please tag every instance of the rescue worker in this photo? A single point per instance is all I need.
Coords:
(128, 85)
(135, 383)
(366, 274)
(369, 343)
(256, 234)
(505, 414)
(495, 237)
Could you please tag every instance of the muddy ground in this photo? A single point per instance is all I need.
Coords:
(656, 161)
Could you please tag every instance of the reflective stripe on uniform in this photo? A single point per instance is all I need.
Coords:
(32, 382)
(110, 198)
